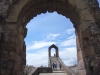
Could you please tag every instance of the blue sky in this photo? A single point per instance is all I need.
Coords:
(45, 30)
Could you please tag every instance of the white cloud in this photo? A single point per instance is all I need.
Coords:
(68, 52)
(39, 44)
(52, 36)
(70, 42)
(72, 37)
(37, 59)
(70, 31)
(68, 56)
(70, 62)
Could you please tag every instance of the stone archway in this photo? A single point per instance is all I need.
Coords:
(15, 14)
(56, 48)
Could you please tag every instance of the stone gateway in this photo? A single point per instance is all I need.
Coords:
(15, 14)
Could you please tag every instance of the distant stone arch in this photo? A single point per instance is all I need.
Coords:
(56, 49)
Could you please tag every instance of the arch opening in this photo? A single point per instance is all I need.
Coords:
(53, 52)
(53, 33)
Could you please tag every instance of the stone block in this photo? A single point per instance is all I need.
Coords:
(24, 47)
(84, 12)
(86, 62)
(24, 61)
(54, 5)
(58, 5)
(55, 0)
(80, 4)
(17, 49)
(24, 55)
(90, 51)
(20, 53)
(84, 54)
(49, 5)
(81, 64)
(14, 56)
(72, 2)
(64, 8)
(82, 72)
(18, 66)
(11, 25)
(50, 10)
(11, 49)
(39, 11)
(44, 5)
(14, 33)
(16, 41)
(11, 45)
(19, 59)
(88, 17)
(85, 43)
(44, 10)
(85, 35)
(44, 1)
(84, 25)
(5, 72)
(38, 0)
(79, 55)
(14, 72)
(10, 64)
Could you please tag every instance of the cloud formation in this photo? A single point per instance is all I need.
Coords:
(39, 44)
(71, 41)
(52, 36)
(68, 56)
(39, 58)
(70, 31)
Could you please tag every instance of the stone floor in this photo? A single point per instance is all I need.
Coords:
(54, 73)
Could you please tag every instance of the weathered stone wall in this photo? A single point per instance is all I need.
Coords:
(15, 14)
(88, 41)
(12, 50)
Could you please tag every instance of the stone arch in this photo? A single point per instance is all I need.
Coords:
(56, 49)
(17, 13)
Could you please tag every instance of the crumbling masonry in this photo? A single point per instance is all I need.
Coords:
(15, 14)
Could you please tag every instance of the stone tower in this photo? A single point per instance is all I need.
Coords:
(56, 48)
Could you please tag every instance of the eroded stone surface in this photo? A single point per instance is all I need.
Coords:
(15, 14)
